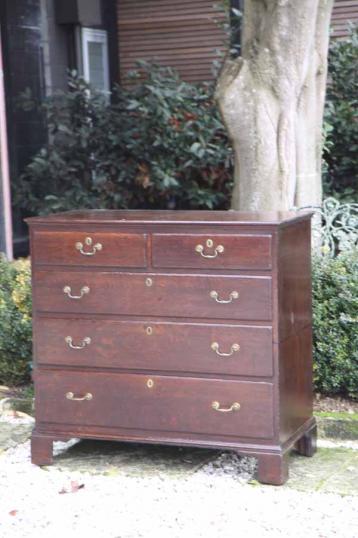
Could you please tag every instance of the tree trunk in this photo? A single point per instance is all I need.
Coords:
(271, 100)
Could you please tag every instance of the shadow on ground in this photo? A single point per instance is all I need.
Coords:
(106, 457)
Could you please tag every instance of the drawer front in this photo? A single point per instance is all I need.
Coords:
(182, 347)
(159, 403)
(89, 248)
(212, 252)
(225, 297)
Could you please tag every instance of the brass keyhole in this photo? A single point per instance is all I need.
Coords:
(150, 383)
(149, 331)
(148, 282)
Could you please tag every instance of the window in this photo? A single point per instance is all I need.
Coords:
(95, 58)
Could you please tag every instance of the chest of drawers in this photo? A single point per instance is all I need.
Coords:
(187, 328)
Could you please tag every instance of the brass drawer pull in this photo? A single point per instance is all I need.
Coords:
(83, 291)
(209, 243)
(233, 295)
(71, 396)
(85, 342)
(234, 407)
(88, 243)
(215, 347)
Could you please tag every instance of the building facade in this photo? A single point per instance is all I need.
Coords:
(41, 41)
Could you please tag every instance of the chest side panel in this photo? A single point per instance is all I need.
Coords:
(294, 279)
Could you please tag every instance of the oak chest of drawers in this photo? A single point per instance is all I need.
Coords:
(187, 328)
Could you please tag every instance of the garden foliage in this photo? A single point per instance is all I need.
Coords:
(158, 144)
(340, 155)
(15, 322)
(335, 323)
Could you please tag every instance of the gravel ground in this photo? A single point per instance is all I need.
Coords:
(215, 501)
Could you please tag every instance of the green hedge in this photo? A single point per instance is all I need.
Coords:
(15, 322)
(335, 322)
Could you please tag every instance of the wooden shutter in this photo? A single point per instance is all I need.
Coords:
(343, 11)
(186, 35)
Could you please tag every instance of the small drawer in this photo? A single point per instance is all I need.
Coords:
(212, 251)
(89, 248)
(157, 403)
(152, 345)
(150, 294)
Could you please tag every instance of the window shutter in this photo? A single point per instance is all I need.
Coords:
(343, 11)
(186, 35)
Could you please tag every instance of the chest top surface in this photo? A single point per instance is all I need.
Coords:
(118, 217)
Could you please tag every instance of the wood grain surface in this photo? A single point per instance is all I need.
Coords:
(117, 250)
(153, 345)
(173, 404)
(167, 294)
(226, 252)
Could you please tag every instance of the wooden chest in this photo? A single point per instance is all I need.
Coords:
(185, 327)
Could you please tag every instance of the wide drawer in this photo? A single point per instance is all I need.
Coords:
(157, 403)
(214, 251)
(89, 248)
(225, 297)
(182, 347)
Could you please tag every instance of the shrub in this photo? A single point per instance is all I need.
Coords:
(340, 153)
(15, 322)
(335, 324)
(158, 144)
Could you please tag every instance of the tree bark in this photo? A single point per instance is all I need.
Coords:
(271, 100)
